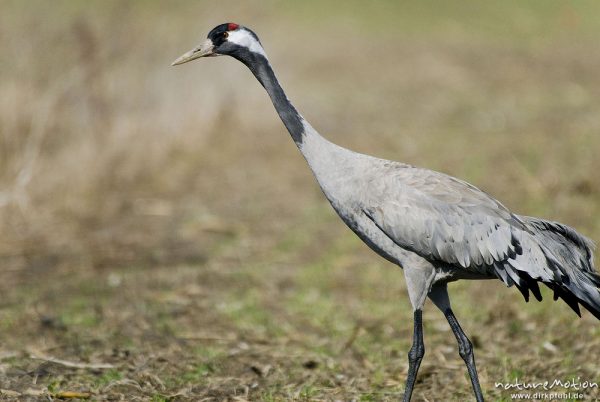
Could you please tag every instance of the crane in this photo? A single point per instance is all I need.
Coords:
(437, 228)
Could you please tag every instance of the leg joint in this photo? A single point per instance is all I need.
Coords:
(465, 348)
(416, 352)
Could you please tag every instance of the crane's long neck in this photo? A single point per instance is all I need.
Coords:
(323, 157)
(293, 121)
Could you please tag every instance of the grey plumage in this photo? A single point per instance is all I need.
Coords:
(457, 228)
(437, 228)
(449, 222)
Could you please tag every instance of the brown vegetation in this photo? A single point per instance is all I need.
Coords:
(161, 238)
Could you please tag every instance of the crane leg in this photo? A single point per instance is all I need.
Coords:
(415, 355)
(439, 296)
(465, 349)
(419, 276)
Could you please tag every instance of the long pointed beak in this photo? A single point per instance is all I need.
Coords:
(204, 50)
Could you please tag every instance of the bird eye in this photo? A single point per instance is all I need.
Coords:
(225, 34)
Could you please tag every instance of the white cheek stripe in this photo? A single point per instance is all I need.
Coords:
(244, 38)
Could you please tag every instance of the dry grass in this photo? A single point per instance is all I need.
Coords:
(159, 220)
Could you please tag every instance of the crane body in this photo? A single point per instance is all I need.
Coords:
(438, 228)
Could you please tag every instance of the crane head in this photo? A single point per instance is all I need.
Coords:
(226, 39)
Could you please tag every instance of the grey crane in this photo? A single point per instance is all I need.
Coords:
(438, 228)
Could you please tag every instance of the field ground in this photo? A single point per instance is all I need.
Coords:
(161, 239)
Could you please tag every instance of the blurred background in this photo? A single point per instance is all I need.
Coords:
(160, 221)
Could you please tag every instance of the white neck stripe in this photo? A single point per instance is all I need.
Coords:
(244, 38)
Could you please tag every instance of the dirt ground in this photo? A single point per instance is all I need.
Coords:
(161, 239)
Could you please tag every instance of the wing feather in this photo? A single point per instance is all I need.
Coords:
(440, 217)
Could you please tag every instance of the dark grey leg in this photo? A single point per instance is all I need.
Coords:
(465, 349)
(415, 355)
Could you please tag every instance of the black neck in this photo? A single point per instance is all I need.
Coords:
(263, 72)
